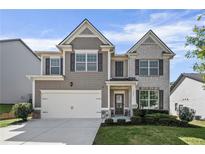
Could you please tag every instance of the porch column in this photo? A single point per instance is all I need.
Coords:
(133, 98)
(108, 100)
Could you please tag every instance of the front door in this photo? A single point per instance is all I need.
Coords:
(119, 103)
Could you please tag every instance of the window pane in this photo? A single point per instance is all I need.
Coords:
(55, 62)
(153, 94)
(144, 103)
(154, 63)
(143, 71)
(91, 67)
(55, 70)
(143, 94)
(91, 57)
(153, 104)
(143, 63)
(80, 66)
(80, 57)
(153, 71)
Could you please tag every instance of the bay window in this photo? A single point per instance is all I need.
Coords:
(149, 99)
(86, 62)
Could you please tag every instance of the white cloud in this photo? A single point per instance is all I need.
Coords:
(42, 44)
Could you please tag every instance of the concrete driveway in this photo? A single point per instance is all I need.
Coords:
(51, 131)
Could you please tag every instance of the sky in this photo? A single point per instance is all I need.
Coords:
(43, 29)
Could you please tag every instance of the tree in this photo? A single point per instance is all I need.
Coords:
(198, 42)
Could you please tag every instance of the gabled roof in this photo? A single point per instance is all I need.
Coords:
(91, 26)
(155, 37)
(193, 76)
(20, 40)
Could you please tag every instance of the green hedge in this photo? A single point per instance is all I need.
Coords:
(143, 112)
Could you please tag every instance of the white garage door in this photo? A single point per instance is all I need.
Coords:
(71, 104)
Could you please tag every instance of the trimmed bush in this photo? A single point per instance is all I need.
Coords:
(121, 121)
(186, 114)
(136, 120)
(150, 120)
(143, 112)
(22, 110)
(109, 121)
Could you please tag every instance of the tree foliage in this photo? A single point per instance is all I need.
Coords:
(197, 41)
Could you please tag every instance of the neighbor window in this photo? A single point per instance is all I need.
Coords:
(149, 99)
(149, 67)
(55, 66)
(86, 62)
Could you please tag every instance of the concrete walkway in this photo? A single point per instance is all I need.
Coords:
(51, 131)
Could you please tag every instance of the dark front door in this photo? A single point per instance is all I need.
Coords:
(119, 103)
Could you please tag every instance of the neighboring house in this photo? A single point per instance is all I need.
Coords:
(16, 61)
(85, 78)
(188, 90)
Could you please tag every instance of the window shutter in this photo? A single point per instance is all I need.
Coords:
(61, 67)
(161, 67)
(72, 62)
(100, 62)
(47, 66)
(136, 66)
(161, 97)
(137, 98)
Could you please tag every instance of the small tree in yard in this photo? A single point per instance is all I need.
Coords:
(186, 114)
(197, 41)
(22, 110)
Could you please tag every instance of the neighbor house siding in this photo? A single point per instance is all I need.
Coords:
(17, 61)
(189, 93)
(80, 80)
(161, 82)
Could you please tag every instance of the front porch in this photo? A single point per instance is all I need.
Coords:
(121, 98)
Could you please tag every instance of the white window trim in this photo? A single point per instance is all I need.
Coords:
(149, 67)
(86, 52)
(55, 66)
(148, 107)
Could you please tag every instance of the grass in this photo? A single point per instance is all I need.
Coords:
(4, 108)
(151, 135)
(4, 123)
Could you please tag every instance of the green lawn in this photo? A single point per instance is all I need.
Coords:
(4, 123)
(151, 135)
(5, 108)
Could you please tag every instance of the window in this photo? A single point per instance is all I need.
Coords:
(86, 62)
(176, 106)
(149, 99)
(119, 68)
(55, 66)
(149, 67)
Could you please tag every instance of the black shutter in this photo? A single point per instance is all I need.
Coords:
(72, 62)
(119, 68)
(137, 98)
(100, 62)
(61, 68)
(47, 66)
(161, 67)
(136, 66)
(161, 98)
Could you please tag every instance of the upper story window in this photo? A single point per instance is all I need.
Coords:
(119, 69)
(86, 62)
(149, 99)
(54, 66)
(149, 67)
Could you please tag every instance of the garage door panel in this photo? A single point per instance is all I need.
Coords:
(71, 104)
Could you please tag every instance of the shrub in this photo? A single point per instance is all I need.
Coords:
(150, 120)
(161, 115)
(136, 120)
(186, 114)
(22, 110)
(109, 121)
(121, 121)
(143, 112)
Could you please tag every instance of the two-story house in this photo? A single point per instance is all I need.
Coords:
(86, 79)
